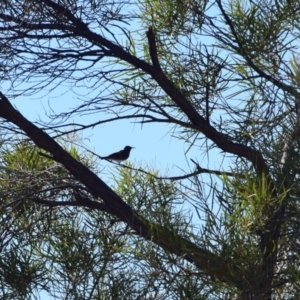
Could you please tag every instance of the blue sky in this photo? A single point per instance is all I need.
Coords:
(154, 145)
(152, 142)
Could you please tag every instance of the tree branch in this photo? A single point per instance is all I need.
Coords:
(152, 48)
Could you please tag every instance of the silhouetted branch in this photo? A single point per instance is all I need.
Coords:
(152, 48)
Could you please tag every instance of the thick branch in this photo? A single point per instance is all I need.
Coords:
(152, 48)
(170, 241)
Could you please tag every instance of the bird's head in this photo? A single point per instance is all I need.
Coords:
(128, 148)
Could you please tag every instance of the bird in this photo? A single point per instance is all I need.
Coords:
(119, 156)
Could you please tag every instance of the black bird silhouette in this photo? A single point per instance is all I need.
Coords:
(119, 156)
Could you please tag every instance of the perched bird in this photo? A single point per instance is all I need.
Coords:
(119, 156)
